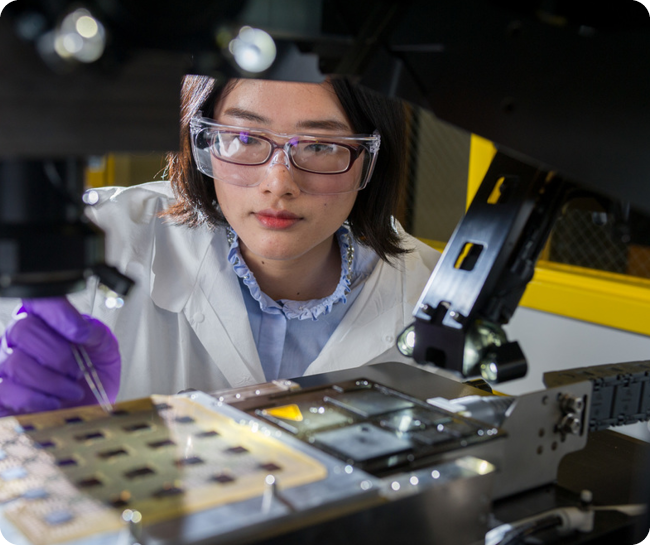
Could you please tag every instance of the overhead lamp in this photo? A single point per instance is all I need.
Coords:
(253, 49)
(80, 37)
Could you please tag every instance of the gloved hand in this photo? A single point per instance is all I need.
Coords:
(38, 371)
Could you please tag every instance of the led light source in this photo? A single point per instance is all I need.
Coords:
(406, 341)
(80, 37)
(253, 49)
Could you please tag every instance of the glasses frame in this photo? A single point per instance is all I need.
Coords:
(355, 152)
(199, 126)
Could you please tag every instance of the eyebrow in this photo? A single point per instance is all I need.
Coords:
(321, 124)
(324, 124)
(246, 115)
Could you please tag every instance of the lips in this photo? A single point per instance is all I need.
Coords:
(277, 219)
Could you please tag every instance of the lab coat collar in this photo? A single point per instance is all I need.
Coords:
(189, 276)
(368, 328)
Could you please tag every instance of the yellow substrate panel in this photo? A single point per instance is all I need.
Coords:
(69, 474)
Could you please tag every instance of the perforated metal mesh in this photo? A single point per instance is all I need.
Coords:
(586, 236)
(438, 168)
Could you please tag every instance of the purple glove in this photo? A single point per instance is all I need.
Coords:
(38, 371)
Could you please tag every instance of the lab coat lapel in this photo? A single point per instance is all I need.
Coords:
(191, 274)
(225, 332)
(366, 330)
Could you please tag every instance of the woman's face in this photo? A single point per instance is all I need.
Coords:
(275, 220)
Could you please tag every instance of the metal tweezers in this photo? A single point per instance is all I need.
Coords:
(92, 378)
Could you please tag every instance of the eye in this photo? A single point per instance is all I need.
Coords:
(239, 146)
(237, 140)
(245, 139)
(321, 148)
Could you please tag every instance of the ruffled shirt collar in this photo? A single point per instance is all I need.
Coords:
(301, 310)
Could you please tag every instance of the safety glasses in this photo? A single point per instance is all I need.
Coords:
(324, 164)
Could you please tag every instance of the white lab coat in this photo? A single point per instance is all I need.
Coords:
(185, 324)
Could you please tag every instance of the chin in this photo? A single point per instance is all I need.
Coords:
(279, 255)
(277, 247)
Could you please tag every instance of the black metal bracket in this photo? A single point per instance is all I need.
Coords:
(484, 271)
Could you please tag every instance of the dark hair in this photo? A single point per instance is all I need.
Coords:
(371, 216)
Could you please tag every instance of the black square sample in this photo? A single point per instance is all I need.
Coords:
(407, 420)
(190, 461)
(118, 502)
(362, 442)
(223, 478)
(208, 433)
(90, 436)
(168, 492)
(139, 472)
(166, 442)
(369, 403)
(432, 436)
(112, 453)
(270, 467)
(139, 426)
(67, 462)
(89, 482)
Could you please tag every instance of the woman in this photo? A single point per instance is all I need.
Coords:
(271, 254)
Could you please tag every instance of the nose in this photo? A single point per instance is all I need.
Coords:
(281, 157)
(278, 178)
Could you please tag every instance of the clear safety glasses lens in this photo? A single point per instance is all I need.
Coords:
(323, 165)
(308, 154)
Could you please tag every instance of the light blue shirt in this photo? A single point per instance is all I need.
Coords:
(289, 335)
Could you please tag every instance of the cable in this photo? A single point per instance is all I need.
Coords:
(565, 519)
